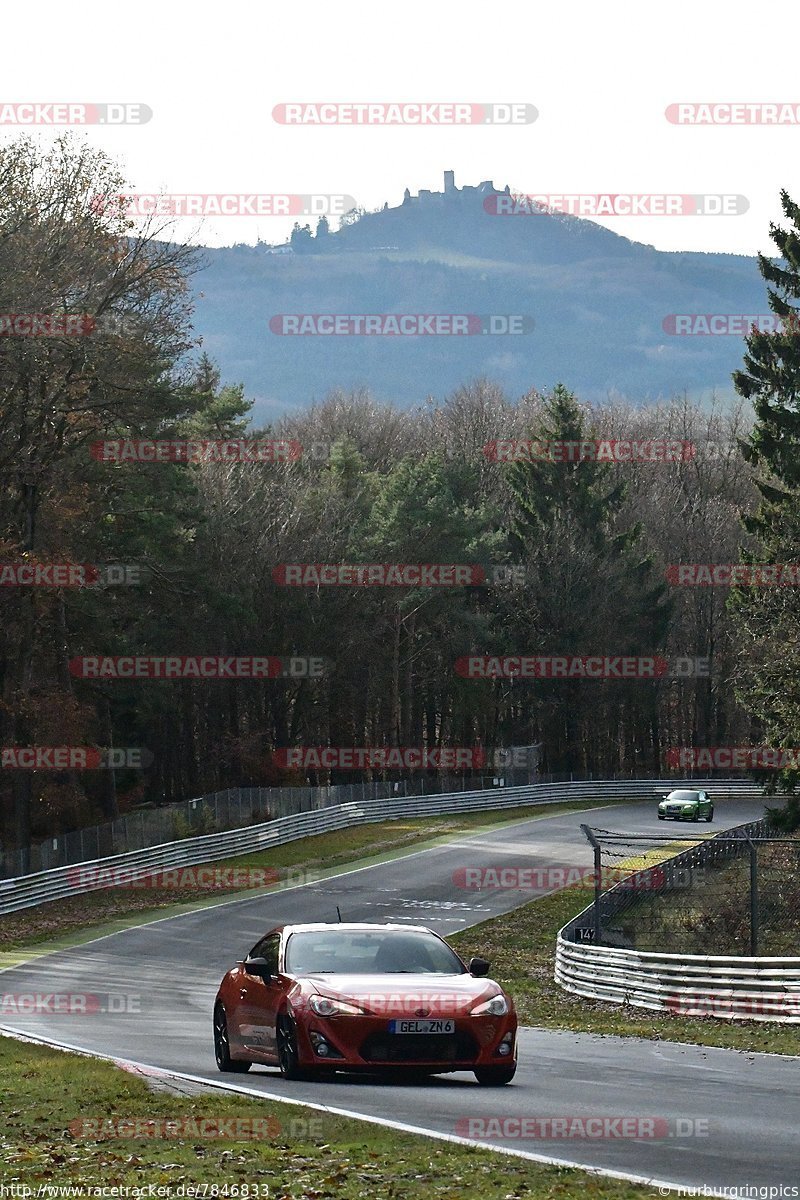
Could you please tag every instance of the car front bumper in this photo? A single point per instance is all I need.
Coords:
(366, 1044)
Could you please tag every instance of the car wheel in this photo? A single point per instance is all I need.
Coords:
(288, 1057)
(495, 1076)
(710, 816)
(661, 817)
(696, 816)
(222, 1048)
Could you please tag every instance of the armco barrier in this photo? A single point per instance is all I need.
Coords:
(725, 986)
(753, 989)
(27, 891)
(231, 808)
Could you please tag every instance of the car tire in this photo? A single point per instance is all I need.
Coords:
(495, 1076)
(710, 816)
(696, 816)
(222, 1048)
(288, 1058)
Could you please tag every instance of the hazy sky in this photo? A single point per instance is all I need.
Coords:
(600, 76)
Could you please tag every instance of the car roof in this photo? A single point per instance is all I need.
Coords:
(320, 926)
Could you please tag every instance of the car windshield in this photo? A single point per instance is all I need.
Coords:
(367, 952)
(683, 796)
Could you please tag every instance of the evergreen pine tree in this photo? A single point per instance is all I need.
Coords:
(591, 589)
(768, 618)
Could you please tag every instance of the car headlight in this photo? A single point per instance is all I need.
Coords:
(496, 1007)
(323, 1006)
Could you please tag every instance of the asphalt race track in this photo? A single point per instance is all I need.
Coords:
(160, 979)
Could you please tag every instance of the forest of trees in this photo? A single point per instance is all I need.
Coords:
(373, 484)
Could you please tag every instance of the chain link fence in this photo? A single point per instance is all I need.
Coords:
(734, 893)
(234, 808)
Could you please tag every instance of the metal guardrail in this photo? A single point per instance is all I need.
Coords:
(753, 989)
(214, 812)
(726, 986)
(27, 891)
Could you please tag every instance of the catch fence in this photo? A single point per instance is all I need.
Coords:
(738, 892)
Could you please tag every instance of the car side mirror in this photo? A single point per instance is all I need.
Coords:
(479, 966)
(258, 967)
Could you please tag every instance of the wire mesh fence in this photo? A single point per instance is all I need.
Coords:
(735, 893)
(234, 808)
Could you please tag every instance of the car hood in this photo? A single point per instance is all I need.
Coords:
(405, 994)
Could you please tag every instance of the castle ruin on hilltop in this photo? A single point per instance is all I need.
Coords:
(451, 192)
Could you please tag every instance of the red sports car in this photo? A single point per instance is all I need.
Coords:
(363, 997)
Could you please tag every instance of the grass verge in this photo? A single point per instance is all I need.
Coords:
(521, 947)
(302, 1155)
(67, 922)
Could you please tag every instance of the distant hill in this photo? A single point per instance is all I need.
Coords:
(598, 301)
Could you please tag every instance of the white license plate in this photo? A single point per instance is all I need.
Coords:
(432, 1026)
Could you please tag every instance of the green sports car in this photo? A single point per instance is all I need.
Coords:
(686, 805)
